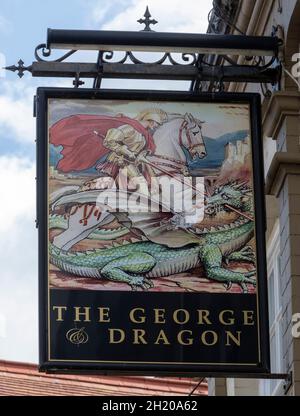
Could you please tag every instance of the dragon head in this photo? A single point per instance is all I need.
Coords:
(236, 195)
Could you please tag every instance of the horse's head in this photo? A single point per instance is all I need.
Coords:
(191, 136)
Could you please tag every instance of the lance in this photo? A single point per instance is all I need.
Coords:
(153, 165)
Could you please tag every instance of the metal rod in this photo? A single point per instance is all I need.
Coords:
(107, 40)
(153, 71)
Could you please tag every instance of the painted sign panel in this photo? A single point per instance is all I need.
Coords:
(151, 224)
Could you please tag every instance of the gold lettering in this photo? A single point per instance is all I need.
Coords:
(59, 309)
(139, 336)
(236, 340)
(137, 320)
(78, 314)
(112, 335)
(204, 338)
(104, 315)
(162, 337)
(248, 317)
(159, 316)
(189, 341)
(203, 316)
(186, 316)
(229, 321)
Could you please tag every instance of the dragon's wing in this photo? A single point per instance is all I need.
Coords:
(66, 190)
(84, 197)
(136, 211)
(149, 217)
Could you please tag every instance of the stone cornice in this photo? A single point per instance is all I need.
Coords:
(283, 164)
(281, 104)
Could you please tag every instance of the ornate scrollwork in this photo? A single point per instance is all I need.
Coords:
(47, 52)
(189, 58)
(129, 57)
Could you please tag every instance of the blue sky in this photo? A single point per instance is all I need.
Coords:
(23, 25)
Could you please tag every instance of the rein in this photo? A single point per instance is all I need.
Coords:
(183, 128)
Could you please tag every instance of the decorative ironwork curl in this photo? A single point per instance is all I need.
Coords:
(186, 57)
(189, 58)
(47, 52)
(258, 62)
(106, 55)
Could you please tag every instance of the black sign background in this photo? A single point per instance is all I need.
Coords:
(57, 353)
(120, 304)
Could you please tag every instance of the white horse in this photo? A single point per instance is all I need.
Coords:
(175, 135)
(178, 133)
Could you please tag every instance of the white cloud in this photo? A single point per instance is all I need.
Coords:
(16, 111)
(5, 26)
(16, 108)
(18, 296)
(3, 323)
(172, 15)
(17, 191)
(18, 259)
(99, 13)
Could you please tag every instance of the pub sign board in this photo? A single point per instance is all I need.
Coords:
(151, 232)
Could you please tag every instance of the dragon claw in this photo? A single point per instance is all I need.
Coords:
(228, 285)
(245, 254)
(148, 283)
(248, 279)
(244, 287)
(142, 282)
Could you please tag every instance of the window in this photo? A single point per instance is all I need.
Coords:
(274, 387)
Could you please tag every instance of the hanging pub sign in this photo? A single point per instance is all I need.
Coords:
(151, 232)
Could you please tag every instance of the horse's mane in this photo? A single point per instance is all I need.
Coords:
(176, 116)
(166, 126)
(171, 118)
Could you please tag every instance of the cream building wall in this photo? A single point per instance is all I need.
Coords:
(281, 141)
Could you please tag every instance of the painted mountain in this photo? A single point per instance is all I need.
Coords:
(215, 149)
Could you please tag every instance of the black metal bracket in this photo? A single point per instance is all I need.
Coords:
(182, 57)
(98, 78)
(77, 82)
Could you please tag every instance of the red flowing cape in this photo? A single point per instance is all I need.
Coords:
(82, 147)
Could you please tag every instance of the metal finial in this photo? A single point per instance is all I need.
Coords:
(147, 21)
(20, 68)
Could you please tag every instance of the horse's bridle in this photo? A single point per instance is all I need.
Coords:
(182, 128)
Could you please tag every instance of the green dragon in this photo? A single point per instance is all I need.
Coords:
(139, 262)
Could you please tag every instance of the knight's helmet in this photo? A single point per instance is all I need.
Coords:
(153, 114)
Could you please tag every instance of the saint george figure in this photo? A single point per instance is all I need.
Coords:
(121, 143)
(129, 148)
